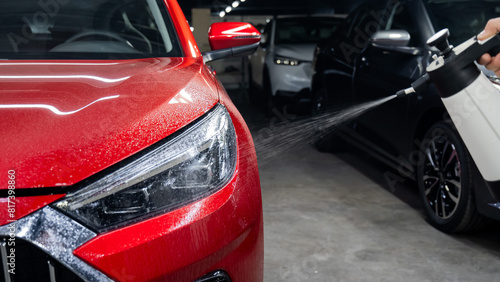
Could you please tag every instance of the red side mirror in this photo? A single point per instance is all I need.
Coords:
(232, 34)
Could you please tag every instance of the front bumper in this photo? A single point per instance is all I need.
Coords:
(222, 231)
(295, 98)
(289, 79)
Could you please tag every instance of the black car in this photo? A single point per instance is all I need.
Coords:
(382, 49)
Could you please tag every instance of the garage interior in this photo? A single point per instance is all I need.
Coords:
(337, 216)
(340, 217)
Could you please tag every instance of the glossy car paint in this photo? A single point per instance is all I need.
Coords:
(226, 35)
(221, 231)
(97, 113)
(65, 121)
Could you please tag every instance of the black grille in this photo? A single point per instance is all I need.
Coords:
(216, 276)
(31, 264)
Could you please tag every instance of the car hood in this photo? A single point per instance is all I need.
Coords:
(62, 122)
(302, 52)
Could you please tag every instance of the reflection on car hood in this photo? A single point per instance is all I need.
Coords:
(64, 121)
(301, 52)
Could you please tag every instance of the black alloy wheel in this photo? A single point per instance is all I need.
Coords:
(445, 180)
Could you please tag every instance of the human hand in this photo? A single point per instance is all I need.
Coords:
(491, 63)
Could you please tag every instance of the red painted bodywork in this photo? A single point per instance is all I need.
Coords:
(145, 100)
(225, 35)
(222, 231)
(186, 37)
(64, 121)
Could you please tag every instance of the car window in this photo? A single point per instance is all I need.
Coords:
(304, 30)
(99, 29)
(346, 26)
(365, 21)
(401, 18)
(361, 20)
(359, 27)
(463, 18)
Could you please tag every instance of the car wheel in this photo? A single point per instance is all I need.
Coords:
(319, 100)
(446, 181)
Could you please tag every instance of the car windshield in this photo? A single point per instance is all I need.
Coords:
(464, 19)
(304, 30)
(75, 29)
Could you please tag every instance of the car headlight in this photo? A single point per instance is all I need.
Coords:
(190, 166)
(286, 61)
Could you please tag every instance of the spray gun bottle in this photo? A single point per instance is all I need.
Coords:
(470, 98)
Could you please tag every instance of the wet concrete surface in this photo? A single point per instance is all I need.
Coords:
(336, 217)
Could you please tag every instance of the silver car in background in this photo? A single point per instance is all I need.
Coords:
(280, 70)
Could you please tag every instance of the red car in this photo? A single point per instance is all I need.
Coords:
(122, 156)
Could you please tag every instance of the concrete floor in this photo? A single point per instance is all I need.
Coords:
(334, 217)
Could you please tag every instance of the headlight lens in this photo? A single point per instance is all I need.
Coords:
(188, 167)
(286, 61)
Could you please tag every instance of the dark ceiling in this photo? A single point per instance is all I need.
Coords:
(270, 7)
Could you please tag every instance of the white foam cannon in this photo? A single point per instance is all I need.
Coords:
(470, 98)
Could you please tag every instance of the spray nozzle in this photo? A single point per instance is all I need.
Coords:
(404, 92)
(417, 86)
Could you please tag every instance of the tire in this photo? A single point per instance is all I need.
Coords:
(445, 176)
(319, 100)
